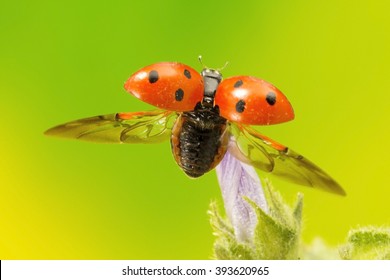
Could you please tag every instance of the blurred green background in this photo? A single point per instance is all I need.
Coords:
(64, 60)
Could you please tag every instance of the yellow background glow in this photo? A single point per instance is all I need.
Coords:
(61, 61)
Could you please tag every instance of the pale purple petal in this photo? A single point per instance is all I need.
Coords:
(238, 180)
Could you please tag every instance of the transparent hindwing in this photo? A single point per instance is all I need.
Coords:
(266, 154)
(139, 127)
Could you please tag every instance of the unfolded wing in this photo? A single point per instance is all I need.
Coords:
(266, 154)
(139, 127)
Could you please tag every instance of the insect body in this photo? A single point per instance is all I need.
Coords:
(199, 140)
(204, 116)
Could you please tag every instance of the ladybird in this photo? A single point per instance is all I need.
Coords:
(204, 116)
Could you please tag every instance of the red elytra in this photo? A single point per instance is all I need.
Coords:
(178, 87)
(167, 85)
(253, 101)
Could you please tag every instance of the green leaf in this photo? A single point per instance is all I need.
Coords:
(276, 234)
(280, 211)
(369, 243)
(226, 247)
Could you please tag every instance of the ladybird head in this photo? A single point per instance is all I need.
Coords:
(208, 73)
(211, 79)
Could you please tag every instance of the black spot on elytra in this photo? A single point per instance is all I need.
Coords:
(271, 98)
(240, 106)
(153, 76)
(238, 83)
(187, 74)
(179, 94)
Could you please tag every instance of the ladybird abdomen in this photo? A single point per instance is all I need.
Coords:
(197, 149)
(198, 145)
